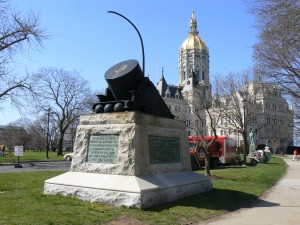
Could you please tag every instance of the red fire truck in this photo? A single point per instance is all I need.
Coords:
(223, 151)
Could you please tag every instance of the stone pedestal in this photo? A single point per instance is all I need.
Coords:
(268, 153)
(130, 159)
(251, 148)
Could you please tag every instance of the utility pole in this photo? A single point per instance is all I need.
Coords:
(244, 130)
(48, 124)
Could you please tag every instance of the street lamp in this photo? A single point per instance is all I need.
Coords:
(141, 40)
(244, 130)
(47, 148)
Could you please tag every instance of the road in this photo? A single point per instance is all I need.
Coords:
(36, 166)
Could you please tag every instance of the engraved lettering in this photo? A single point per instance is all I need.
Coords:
(103, 149)
(163, 150)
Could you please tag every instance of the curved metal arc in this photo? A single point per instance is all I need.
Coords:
(138, 34)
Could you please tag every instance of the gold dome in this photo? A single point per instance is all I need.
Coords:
(193, 42)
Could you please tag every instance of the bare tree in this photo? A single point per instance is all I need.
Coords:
(18, 32)
(240, 100)
(16, 134)
(21, 137)
(202, 116)
(296, 110)
(42, 131)
(278, 51)
(37, 141)
(65, 93)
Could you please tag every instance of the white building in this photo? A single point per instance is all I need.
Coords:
(274, 123)
(193, 65)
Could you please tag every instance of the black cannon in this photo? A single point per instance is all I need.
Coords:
(129, 90)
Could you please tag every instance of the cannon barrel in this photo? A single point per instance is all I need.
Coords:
(129, 90)
(123, 78)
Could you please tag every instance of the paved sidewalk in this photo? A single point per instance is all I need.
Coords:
(279, 206)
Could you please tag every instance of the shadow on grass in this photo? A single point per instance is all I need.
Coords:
(217, 199)
(248, 164)
(231, 167)
(271, 163)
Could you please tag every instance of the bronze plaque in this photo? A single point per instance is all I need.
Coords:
(164, 149)
(103, 149)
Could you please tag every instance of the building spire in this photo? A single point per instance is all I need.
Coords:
(162, 74)
(193, 25)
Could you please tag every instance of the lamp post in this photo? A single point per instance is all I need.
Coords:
(47, 148)
(141, 40)
(244, 130)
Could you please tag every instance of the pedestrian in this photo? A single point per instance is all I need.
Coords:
(2, 149)
(295, 155)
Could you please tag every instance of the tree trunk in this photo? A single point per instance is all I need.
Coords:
(245, 146)
(207, 164)
(59, 145)
(62, 130)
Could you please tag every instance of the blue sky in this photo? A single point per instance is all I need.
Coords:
(84, 37)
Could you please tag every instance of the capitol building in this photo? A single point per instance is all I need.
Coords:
(273, 123)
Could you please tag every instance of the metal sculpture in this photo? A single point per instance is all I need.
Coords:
(129, 90)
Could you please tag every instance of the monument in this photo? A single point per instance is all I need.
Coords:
(267, 151)
(252, 145)
(131, 151)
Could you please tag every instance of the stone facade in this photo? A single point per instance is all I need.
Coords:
(274, 123)
(273, 120)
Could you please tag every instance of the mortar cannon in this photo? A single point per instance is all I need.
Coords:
(129, 90)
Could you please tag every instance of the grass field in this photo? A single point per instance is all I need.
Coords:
(22, 200)
(29, 155)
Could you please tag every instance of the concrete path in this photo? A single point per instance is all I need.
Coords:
(279, 206)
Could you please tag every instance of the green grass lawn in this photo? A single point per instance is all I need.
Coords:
(29, 155)
(22, 200)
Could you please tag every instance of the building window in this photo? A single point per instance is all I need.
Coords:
(197, 74)
(213, 121)
(188, 123)
(253, 119)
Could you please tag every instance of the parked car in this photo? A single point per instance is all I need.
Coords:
(68, 157)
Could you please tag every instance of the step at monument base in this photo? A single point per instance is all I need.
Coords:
(131, 191)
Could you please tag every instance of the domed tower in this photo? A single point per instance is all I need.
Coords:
(193, 57)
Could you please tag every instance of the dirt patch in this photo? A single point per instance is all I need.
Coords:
(126, 221)
(215, 178)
